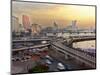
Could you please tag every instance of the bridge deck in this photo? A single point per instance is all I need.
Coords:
(75, 53)
(25, 48)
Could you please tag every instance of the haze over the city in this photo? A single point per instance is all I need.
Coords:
(45, 14)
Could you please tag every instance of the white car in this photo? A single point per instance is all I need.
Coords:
(48, 61)
(33, 50)
(60, 66)
(44, 42)
(48, 57)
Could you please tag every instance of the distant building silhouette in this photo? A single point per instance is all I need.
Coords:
(26, 22)
(15, 24)
(73, 26)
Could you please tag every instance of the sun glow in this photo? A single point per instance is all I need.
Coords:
(62, 14)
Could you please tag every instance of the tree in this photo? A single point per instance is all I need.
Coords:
(39, 69)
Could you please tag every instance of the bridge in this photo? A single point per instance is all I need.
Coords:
(66, 50)
(77, 54)
(73, 39)
(32, 47)
(83, 39)
(30, 40)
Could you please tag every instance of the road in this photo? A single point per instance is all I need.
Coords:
(21, 67)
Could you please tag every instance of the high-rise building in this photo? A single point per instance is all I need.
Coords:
(15, 24)
(55, 25)
(34, 28)
(73, 26)
(74, 23)
(26, 22)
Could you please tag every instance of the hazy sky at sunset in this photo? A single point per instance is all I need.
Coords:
(45, 14)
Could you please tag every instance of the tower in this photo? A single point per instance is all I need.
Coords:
(55, 25)
(74, 27)
(26, 22)
(74, 23)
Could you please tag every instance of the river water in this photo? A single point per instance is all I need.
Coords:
(88, 46)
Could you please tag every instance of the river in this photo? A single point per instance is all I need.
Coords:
(88, 46)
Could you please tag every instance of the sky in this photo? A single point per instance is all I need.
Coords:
(45, 14)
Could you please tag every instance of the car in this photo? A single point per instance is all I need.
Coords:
(22, 60)
(60, 67)
(48, 62)
(30, 50)
(28, 57)
(13, 59)
(17, 58)
(33, 50)
(44, 42)
(37, 49)
(48, 57)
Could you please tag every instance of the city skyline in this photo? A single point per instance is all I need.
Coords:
(46, 14)
(51, 37)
